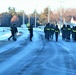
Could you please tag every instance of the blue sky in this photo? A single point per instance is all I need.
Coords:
(29, 5)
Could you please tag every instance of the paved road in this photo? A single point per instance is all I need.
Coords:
(41, 58)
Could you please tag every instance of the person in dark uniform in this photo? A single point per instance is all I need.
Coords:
(68, 32)
(31, 31)
(52, 31)
(74, 33)
(13, 30)
(47, 31)
(73, 28)
(57, 31)
(63, 30)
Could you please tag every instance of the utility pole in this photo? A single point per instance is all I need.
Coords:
(48, 14)
(29, 19)
(35, 18)
(0, 21)
(61, 14)
(23, 18)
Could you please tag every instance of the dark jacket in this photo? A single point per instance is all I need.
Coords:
(31, 29)
(63, 30)
(52, 29)
(13, 29)
(57, 29)
(47, 29)
(68, 32)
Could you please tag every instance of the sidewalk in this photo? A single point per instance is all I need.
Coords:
(5, 36)
(22, 34)
(6, 33)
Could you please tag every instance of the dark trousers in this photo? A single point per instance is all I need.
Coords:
(47, 35)
(51, 36)
(56, 36)
(31, 35)
(13, 36)
(63, 35)
(74, 36)
(68, 36)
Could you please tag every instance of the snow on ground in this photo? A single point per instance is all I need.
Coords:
(4, 37)
(60, 55)
(25, 34)
(6, 33)
(13, 60)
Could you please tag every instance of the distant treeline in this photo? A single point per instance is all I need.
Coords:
(13, 17)
(6, 20)
(10, 17)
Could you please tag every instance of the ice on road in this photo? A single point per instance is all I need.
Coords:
(39, 57)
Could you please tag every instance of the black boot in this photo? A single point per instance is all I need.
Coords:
(8, 39)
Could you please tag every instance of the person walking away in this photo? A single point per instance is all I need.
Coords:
(13, 30)
(28, 26)
(74, 33)
(31, 31)
(68, 32)
(56, 32)
(63, 30)
(47, 31)
(52, 31)
(73, 30)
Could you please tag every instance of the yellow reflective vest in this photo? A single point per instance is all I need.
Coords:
(56, 30)
(74, 30)
(47, 28)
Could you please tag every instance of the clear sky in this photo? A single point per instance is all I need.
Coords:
(29, 5)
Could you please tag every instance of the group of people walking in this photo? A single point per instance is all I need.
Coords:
(66, 31)
(49, 30)
(14, 31)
